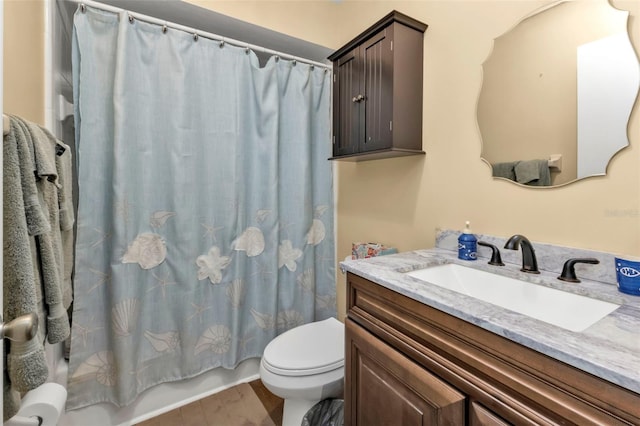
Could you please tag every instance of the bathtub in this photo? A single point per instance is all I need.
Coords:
(154, 401)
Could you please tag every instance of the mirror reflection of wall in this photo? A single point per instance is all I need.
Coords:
(538, 99)
(607, 85)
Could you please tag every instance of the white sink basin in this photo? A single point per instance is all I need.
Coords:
(567, 310)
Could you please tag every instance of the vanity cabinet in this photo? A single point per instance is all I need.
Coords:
(377, 91)
(397, 391)
(410, 364)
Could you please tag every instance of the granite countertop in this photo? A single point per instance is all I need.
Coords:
(609, 349)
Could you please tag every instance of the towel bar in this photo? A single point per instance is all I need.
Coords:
(555, 162)
(20, 329)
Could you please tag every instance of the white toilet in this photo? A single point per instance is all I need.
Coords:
(304, 366)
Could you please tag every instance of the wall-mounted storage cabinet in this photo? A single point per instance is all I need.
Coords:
(377, 91)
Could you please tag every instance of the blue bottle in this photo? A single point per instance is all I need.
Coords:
(467, 245)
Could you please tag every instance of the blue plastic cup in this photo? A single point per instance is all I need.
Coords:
(628, 275)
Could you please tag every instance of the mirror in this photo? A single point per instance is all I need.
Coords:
(557, 93)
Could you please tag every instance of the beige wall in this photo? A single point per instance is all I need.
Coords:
(23, 72)
(401, 202)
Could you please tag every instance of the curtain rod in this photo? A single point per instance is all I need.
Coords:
(198, 33)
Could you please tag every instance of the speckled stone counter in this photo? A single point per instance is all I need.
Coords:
(609, 349)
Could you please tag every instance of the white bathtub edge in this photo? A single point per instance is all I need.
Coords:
(163, 398)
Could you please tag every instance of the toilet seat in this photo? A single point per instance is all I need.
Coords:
(313, 348)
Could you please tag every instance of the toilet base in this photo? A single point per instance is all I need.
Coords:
(294, 410)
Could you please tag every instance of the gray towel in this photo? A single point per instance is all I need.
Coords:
(49, 244)
(37, 222)
(26, 372)
(28, 367)
(533, 172)
(10, 399)
(504, 170)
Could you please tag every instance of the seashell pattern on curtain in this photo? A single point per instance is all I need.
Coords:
(205, 218)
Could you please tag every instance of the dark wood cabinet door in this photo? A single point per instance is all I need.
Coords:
(377, 61)
(377, 91)
(383, 387)
(347, 104)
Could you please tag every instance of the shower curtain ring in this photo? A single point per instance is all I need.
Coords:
(294, 62)
(221, 44)
(83, 8)
(131, 18)
(277, 58)
(164, 29)
(247, 50)
(195, 37)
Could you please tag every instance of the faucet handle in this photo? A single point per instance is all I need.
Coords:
(496, 259)
(569, 272)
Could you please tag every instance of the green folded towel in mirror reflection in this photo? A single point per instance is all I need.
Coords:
(505, 170)
(529, 172)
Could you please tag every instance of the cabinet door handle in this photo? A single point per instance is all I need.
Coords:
(358, 98)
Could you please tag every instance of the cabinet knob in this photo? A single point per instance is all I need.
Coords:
(358, 98)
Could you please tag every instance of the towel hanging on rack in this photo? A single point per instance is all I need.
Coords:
(6, 128)
(19, 285)
(38, 229)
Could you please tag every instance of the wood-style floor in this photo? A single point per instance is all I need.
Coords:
(242, 405)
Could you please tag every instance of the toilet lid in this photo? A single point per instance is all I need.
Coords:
(312, 348)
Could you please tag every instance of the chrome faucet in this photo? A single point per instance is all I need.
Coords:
(529, 262)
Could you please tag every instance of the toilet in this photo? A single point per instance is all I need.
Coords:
(305, 365)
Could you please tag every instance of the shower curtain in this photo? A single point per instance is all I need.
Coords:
(205, 218)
